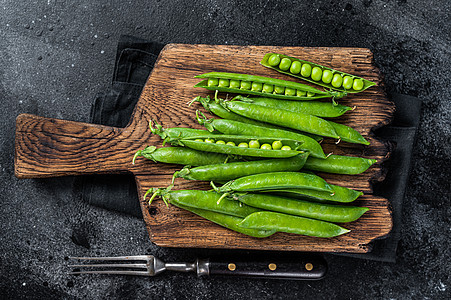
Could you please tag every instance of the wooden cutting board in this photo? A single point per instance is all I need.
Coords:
(51, 147)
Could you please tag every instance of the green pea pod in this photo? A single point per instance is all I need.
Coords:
(191, 142)
(291, 90)
(284, 118)
(231, 127)
(273, 221)
(227, 221)
(339, 164)
(229, 171)
(319, 211)
(323, 75)
(214, 107)
(181, 155)
(206, 200)
(275, 181)
(314, 108)
(339, 194)
(348, 134)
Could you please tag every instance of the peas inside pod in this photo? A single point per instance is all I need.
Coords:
(315, 73)
(255, 144)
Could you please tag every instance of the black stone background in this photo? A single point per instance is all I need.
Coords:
(56, 55)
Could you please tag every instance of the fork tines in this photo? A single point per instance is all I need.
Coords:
(142, 269)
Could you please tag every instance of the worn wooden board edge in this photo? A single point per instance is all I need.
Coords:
(363, 248)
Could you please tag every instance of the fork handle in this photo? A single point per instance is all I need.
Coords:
(302, 268)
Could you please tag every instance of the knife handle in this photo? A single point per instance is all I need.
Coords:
(302, 268)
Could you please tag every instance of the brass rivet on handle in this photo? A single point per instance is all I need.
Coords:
(308, 266)
(231, 267)
(272, 266)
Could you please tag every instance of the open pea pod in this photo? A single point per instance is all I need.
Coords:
(316, 73)
(208, 143)
(262, 86)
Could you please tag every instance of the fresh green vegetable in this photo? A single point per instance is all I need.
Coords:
(339, 164)
(229, 171)
(320, 75)
(275, 181)
(319, 211)
(257, 83)
(273, 221)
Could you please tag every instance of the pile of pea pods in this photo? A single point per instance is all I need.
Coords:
(260, 155)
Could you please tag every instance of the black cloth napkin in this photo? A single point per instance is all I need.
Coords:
(135, 59)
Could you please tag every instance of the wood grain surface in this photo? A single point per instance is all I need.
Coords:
(49, 147)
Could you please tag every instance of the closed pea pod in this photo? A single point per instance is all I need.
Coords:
(214, 107)
(257, 82)
(229, 171)
(348, 134)
(180, 155)
(206, 200)
(227, 221)
(230, 127)
(319, 211)
(285, 118)
(338, 194)
(339, 164)
(315, 108)
(266, 220)
(354, 84)
(274, 181)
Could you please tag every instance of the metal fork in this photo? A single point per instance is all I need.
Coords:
(152, 266)
(300, 268)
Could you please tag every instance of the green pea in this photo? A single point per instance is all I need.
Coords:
(243, 145)
(310, 94)
(290, 92)
(295, 67)
(267, 88)
(300, 93)
(224, 82)
(285, 64)
(231, 144)
(213, 82)
(266, 147)
(234, 84)
(220, 142)
(317, 73)
(245, 85)
(347, 82)
(274, 60)
(277, 145)
(254, 144)
(358, 84)
(209, 140)
(199, 140)
(327, 76)
(257, 86)
(285, 148)
(279, 89)
(337, 80)
(306, 70)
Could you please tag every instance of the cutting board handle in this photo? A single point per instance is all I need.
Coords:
(51, 147)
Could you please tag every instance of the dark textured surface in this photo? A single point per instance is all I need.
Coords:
(56, 56)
